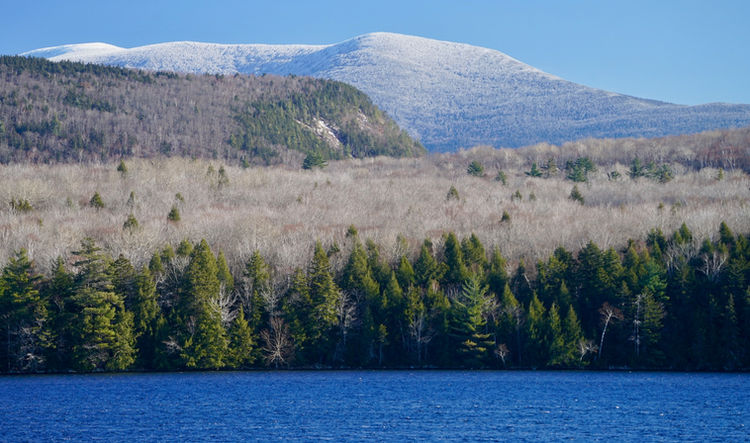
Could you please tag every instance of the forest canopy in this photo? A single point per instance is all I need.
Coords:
(69, 112)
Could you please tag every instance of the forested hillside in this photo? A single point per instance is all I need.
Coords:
(70, 112)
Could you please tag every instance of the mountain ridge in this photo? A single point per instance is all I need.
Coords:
(449, 95)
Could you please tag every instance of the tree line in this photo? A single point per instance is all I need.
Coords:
(670, 302)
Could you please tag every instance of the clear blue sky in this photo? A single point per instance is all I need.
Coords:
(683, 51)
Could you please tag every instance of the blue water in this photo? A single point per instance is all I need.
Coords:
(377, 405)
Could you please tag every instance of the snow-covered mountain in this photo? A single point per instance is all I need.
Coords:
(449, 95)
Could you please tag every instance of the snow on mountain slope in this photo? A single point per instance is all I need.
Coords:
(449, 95)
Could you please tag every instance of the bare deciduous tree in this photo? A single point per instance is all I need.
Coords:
(278, 347)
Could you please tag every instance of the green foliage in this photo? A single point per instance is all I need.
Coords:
(174, 215)
(122, 169)
(21, 205)
(516, 196)
(505, 217)
(476, 169)
(534, 172)
(292, 121)
(314, 160)
(501, 177)
(652, 309)
(202, 337)
(131, 223)
(452, 194)
(576, 195)
(579, 169)
(96, 201)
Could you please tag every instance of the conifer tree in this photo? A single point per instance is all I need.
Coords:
(240, 353)
(357, 277)
(102, 330)
(259, 282)
(145, 312)
(324, 294)
(572, 336)
(225, 277)
(474, 255)
(558, 356)
(497, 277)
(203, 341)
(457, 272)
(58, 291)
(405, 273)
(23, 313)
(536, 333)
(467, 324)
(426, 268)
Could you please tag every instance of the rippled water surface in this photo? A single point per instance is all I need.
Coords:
(379, 405)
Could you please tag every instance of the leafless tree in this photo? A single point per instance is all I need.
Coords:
(502, 352)
(277, 343)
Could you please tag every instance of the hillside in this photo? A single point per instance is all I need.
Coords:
(61, 112)
(448, 95)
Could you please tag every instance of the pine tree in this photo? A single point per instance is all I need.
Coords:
(96, 201)
(324, 293)
(23, 313)
(145, 312)
(102, 330)
(203, 338)
(223, 274)
(357, 277)
(536, 333)
(572, 336)
(558, 355)
(240, 353)
(405, 273)
(534, 172)
(497, 277)
(467, 324)
(457, 272)
(476, 169)
(258, 277)
(426, 268)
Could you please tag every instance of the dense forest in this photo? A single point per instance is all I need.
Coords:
(671, 302)
(71, 112)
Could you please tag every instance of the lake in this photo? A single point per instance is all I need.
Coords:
(376, 405)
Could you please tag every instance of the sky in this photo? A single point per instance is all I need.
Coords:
(680, 51)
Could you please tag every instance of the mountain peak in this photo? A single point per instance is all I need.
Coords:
(448, 94)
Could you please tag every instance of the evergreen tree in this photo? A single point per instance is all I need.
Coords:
(457, 272)
(536, 333)
(474, 255)
(558, 351)
(497, 277)
(534, 172)
(426, 268)
(240, 353)
(572, 336)
(145, 312)
(223, 274)
(25, 336)
(102, 330)
(405, 273)
(259, 282)
(357, 277)
(467, 323)
(203, 337)
(475, 168)
(324, 294)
